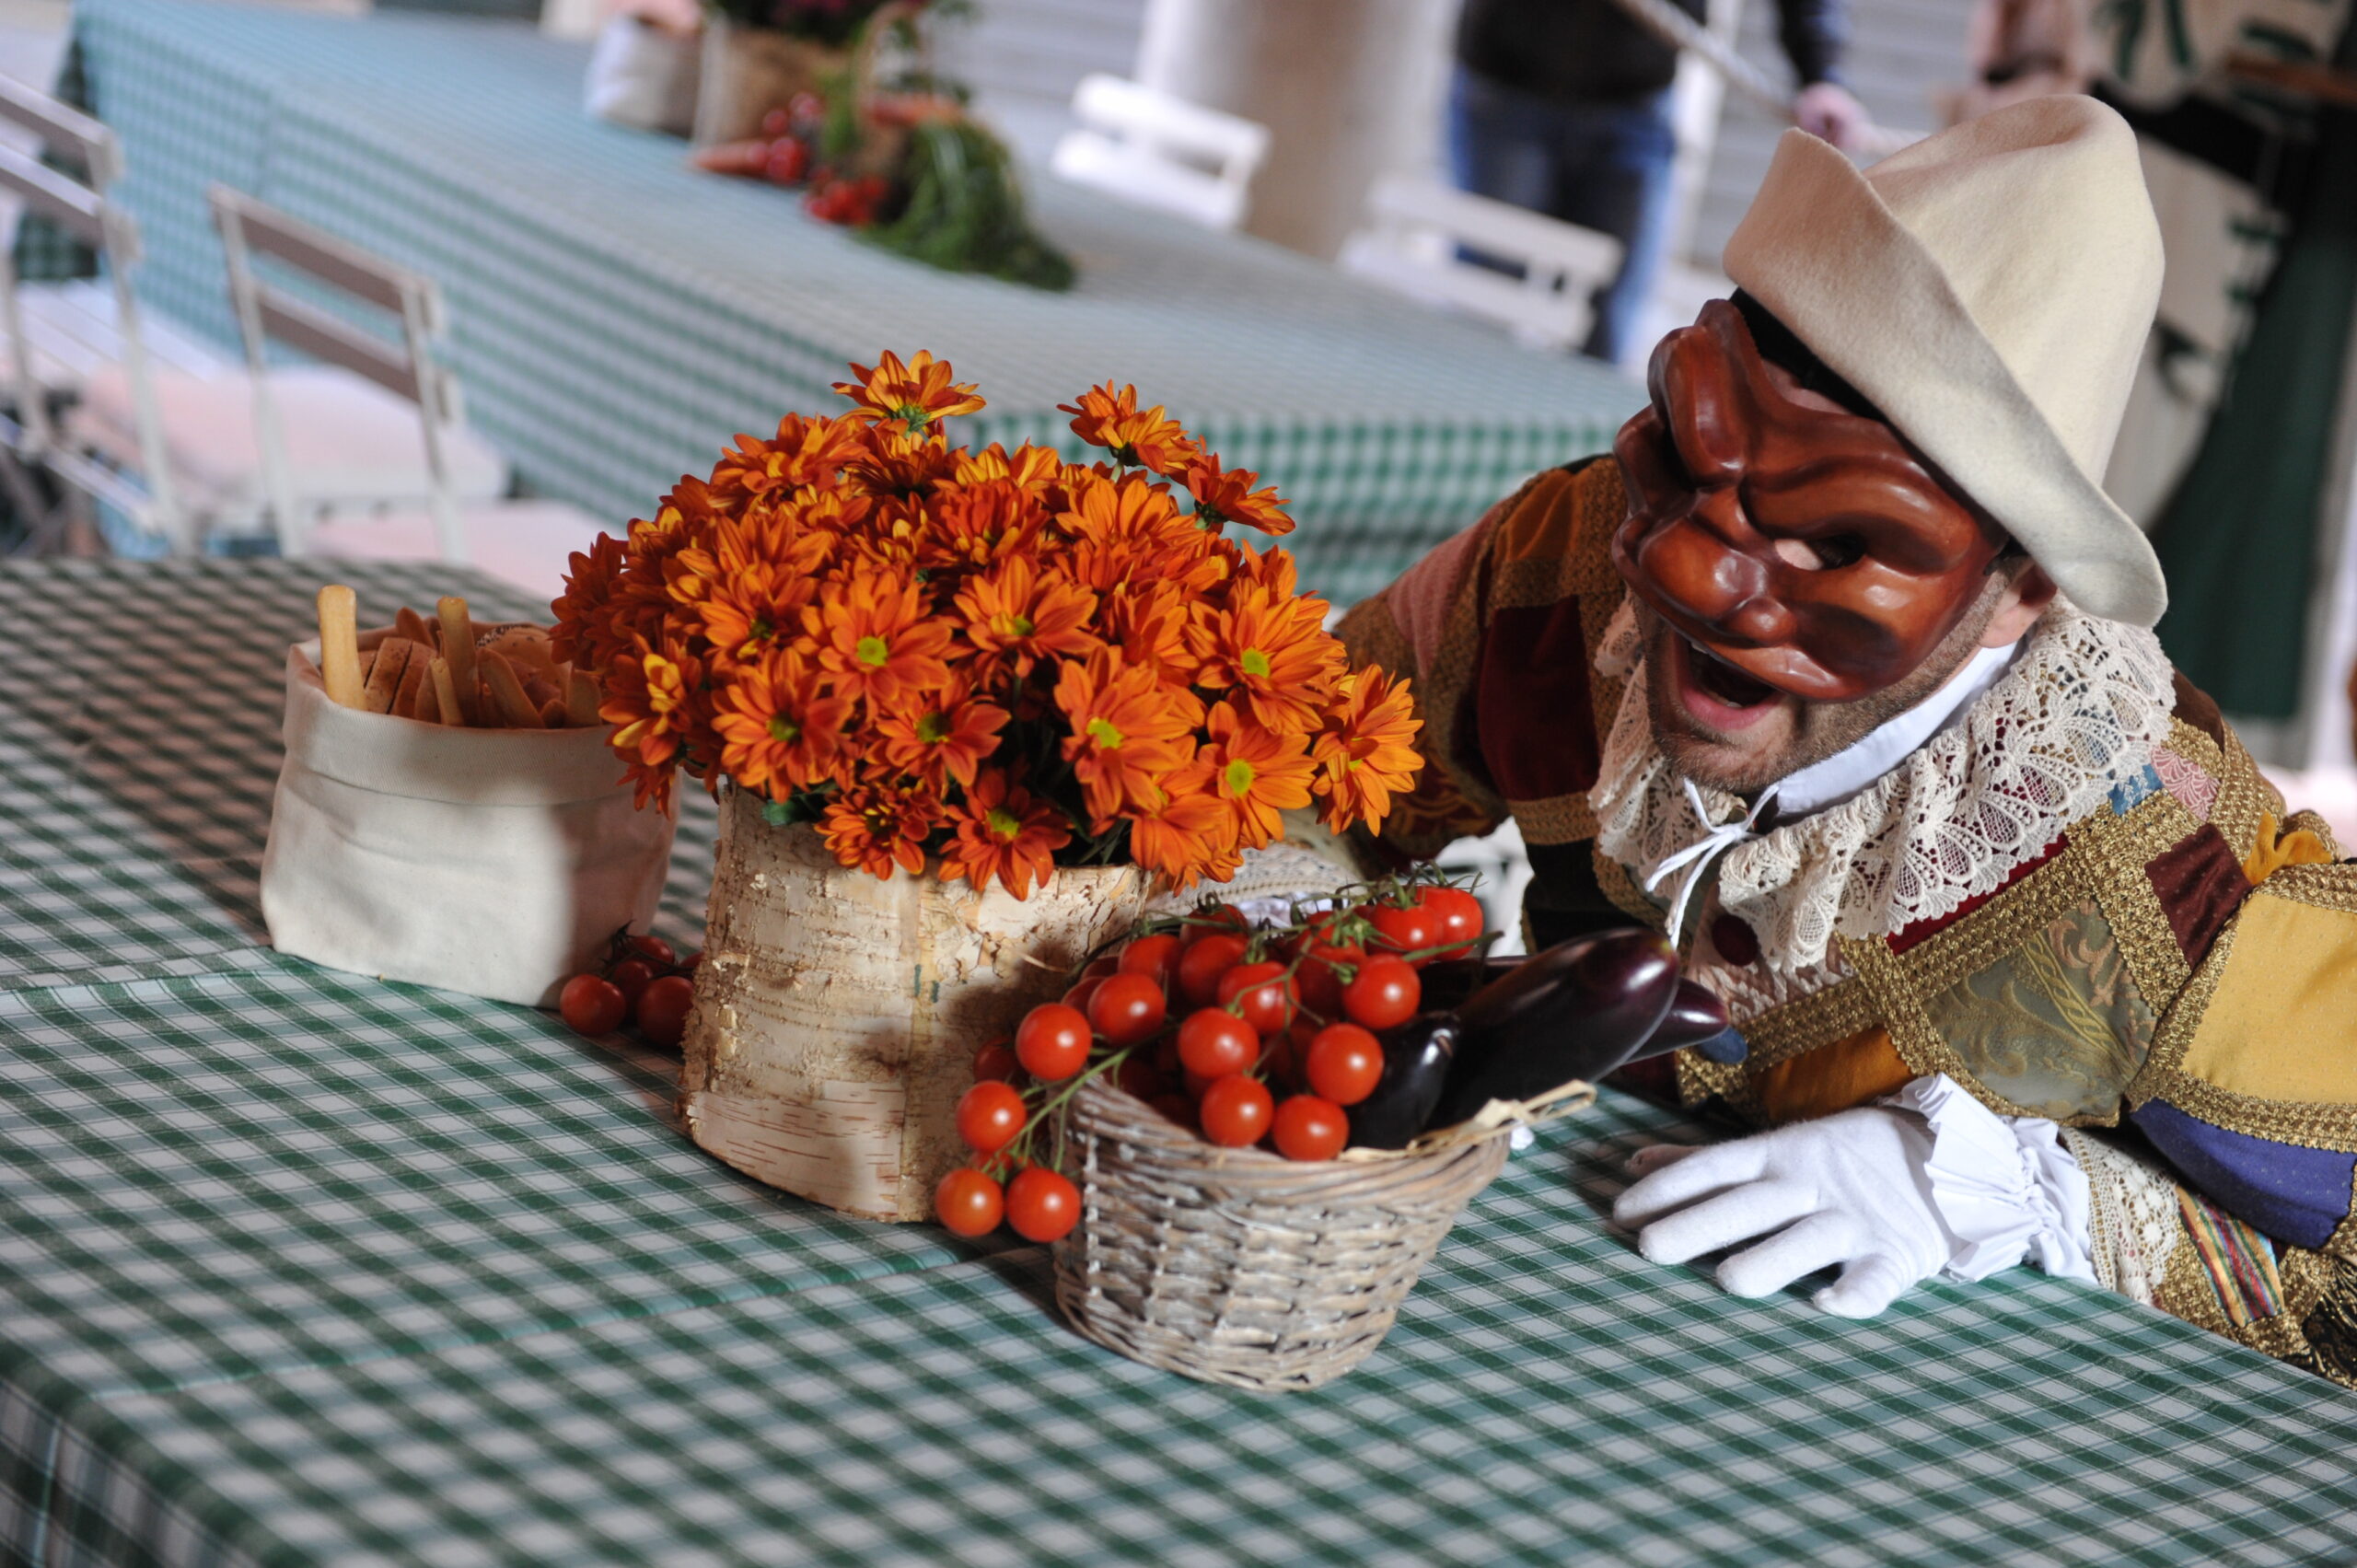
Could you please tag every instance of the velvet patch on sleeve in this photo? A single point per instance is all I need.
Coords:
(2199, 885)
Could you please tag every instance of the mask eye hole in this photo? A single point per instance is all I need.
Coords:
(1831, 554)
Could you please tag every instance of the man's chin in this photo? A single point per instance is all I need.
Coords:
(1709, 741)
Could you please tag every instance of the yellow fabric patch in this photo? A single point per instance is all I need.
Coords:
(1850, 1072)
(2271, 854)
(2284, 1022)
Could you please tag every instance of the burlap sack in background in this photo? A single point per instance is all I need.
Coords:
(496, 861)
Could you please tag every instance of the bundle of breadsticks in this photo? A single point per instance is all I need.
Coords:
(450, 670)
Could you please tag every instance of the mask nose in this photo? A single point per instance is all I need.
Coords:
(1712, 565)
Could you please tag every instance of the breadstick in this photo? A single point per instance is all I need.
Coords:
(412, 681)
(446, 692)
(508, 692)
(553, 713)
(429, 702)
(459, 647)
(581, 699)
(340, 644)
(406, 622)
(385, 675)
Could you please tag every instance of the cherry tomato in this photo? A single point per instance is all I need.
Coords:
(1344, 1064)
(1386, 992)
(690, 964)
(592, 1004)
(1155, 956)
(1102, 965)
(634, 976)
(1127, 1008)
(1052, 1041)
(656, 950)
(1403, 930)
(968, 1203)
(1213, 1042)
(1236, 1110)
(1077, 998)
(662, 1011)
(1220, 917)
(1139, 1076)
(776, 122)
(1206, 960)
(1194, 1084)
(1308, 1128)
(1460, 916)
(1262, 994)
(1042, 1205)
(989, 1116)
(995, 1061)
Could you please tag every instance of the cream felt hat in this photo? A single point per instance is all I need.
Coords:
(1989, 289)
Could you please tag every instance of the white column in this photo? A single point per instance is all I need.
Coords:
(1348, 89)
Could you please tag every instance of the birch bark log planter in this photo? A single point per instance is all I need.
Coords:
(837, 1015)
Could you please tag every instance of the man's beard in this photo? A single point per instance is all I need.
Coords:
(1802, 733)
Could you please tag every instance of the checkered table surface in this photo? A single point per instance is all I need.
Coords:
(302, 1268)
(617, 317)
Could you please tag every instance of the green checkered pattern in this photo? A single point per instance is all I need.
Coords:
(617, 316)
(302, 1268)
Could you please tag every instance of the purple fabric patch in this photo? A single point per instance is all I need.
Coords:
(2292, 1193)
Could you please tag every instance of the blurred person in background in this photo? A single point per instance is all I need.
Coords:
(1562, 107)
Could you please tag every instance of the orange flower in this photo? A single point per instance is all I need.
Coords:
(1189, 834)
(975, 524)
(1257, 772)
(875, 828)
(804, 452)
(581, 611)
(748, 611)
(1148, 625)
(1003, 831)
(942, 736)
(1366, 753)
(1127, 730)
(779, 728)
(875, 638)
(649, 697)
(1150, 440)
(1227, 496)
(1025, 615)
(1271, 653)
(914, 396)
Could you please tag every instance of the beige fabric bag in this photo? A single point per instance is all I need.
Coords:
(496, 861)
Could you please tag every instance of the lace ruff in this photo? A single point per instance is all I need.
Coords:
(2082, 708)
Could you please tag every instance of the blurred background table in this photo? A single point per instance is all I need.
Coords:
(301, 1268)
(619, 315)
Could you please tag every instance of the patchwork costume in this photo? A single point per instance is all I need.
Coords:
(2077, 903)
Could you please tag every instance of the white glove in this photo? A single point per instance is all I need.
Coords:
(1893, 1193)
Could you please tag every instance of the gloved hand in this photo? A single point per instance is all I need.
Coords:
(1851, 1190)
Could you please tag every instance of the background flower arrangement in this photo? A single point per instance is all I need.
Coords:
(998, 662)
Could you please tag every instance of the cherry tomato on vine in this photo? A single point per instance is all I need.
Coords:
(592, 1004)
(1156, 957)
(632, 976)
(1236, 1110)
(996, 1060)
(1042, 1205)
(1219, 917)
(1127, 1008)
(1140, 1076)
(662, 1010)
(1213, 1042)
(990, 1115)
(1460, 916)
(1052, 1041)
(1403, 930)
(1262, 994)
(1078, 997)
(968, 1203)
(1386, 992)
(1344, 1063)
(654, 950)
(1308, 1128)
(1206, 960)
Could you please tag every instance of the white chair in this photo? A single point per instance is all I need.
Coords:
(1146, 146)
(323, 497)
(1417, 230)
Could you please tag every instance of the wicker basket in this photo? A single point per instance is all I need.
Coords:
(1235, 1266)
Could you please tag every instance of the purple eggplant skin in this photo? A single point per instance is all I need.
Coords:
(1694, 1015)
(1577, 1010)
(1416, 1057)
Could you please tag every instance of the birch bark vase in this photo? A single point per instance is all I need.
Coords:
(837, 1014)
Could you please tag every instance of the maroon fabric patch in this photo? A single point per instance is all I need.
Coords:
(2200, 885)
(1733, 940)
(1907, 937)
(2194, 707)
(1655, 1079)
(1534, 722)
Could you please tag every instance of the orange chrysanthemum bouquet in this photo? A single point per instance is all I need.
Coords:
(998, 661)
(969, 703)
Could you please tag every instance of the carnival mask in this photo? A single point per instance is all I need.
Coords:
(1806, 550)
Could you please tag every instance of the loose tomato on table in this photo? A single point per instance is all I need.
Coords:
(1127, 1008)
(969, 1201)
(1052, 1041)
(632, 976)
(592, 1004)
(662, 1009)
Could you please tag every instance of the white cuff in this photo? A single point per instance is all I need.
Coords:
(2005, 1185)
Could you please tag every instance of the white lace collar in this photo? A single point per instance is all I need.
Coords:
(2081, 708)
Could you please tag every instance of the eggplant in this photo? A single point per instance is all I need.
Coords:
(1695, 1017)
(1577, 1010)
(1416, 1058)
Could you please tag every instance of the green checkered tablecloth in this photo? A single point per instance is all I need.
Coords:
(301, 1268)
(617, 316)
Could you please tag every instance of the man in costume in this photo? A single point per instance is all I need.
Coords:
(1840, 671)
